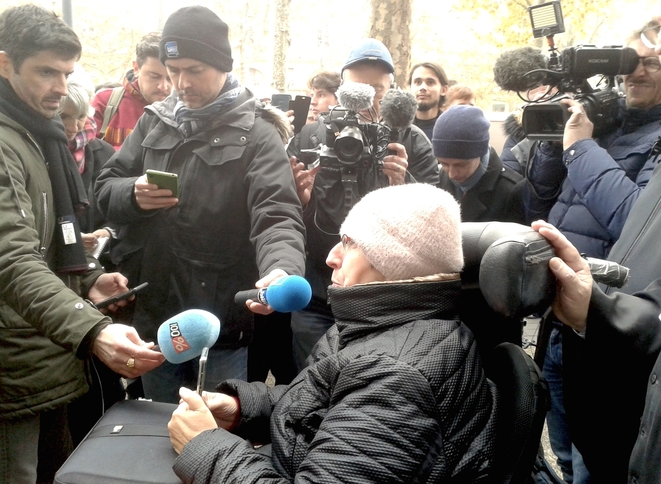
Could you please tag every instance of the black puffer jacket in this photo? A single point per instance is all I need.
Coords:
(391, 395)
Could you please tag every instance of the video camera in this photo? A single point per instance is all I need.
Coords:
(568, 73)
(352, 144)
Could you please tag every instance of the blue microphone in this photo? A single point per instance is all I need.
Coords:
(184, 336)
(285, 294)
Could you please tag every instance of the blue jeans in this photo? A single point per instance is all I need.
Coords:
(307, 327)
(568, 458)
(162, 384)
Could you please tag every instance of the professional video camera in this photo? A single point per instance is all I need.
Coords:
(568, 73)
(355, 143)
(352, 143)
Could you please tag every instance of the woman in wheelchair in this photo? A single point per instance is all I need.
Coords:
(394, 392)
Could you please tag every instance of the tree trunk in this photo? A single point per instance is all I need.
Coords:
(282, 41)
(390, 24)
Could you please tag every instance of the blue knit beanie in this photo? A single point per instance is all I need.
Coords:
(461, 132)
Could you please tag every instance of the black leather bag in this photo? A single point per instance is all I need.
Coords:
(130, 443)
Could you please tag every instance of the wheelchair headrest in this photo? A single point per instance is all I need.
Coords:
(509, 263)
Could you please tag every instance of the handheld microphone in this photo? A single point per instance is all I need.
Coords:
(398, 110)
(184, 336)
(608, 272)
(355, 96)
(286, 294)
(512, 67)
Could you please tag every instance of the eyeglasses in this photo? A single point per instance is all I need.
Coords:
(650, 36)
(347, 242)
(650, 64)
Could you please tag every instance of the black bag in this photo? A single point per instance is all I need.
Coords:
(130, 443)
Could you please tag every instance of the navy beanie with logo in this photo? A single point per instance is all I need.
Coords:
(196, 33)
(461, 132)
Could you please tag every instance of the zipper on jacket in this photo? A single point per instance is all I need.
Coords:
(642, 232)
(42, 249)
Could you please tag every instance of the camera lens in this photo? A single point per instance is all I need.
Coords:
(349, 145)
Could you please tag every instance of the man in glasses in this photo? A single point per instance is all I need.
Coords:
(586, 188)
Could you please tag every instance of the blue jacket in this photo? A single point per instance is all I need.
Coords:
(602, 180)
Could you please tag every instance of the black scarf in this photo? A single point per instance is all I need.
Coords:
(69, 195)
(634, 118)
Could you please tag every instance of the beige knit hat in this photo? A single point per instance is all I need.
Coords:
(408, 231)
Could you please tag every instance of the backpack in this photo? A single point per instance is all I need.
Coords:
(111, 108)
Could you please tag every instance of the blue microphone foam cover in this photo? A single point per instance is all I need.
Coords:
(182, 337)
(290, 293)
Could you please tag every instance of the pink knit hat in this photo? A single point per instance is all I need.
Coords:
(408, 231)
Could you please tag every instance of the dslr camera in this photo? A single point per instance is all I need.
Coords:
(567, 76)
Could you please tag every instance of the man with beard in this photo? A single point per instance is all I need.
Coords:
(144, 84)
(429, 83)
(236, 219)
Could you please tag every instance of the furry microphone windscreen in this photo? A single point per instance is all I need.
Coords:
(511, 68)
(355, 96)
(398, 108)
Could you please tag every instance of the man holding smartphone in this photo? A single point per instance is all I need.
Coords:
(237, 221)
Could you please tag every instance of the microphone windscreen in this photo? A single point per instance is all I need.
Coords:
(182, 337)
(398, 108)
(290, 293)
(355, 96)
(511, 67)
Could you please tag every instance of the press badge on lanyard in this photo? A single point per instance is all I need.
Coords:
(68, 230)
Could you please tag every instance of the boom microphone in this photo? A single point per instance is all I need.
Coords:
(398, 110)
(355, 96)
(511, 68)
(184, 336)
(286, 294)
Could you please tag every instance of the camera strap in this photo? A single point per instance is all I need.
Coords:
(350, 184)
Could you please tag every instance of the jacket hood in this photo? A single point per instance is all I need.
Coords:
(513, 127)
(277, 118)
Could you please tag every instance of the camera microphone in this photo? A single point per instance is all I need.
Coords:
(286, 294)
(355, 96)
(398, 110)
(512, 67)
(184, 336)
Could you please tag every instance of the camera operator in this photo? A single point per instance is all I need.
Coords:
(586, 188)
(322, 192)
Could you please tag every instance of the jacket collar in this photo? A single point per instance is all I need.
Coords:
(367, 308)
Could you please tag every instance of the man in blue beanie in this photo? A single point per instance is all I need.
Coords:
(472, 171)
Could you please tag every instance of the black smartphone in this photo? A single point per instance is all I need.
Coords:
(281, 101)
(119, 297)
(163, 179)
(300, 105)
(202, 370)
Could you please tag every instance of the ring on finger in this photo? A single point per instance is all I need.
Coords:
(131, 363)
